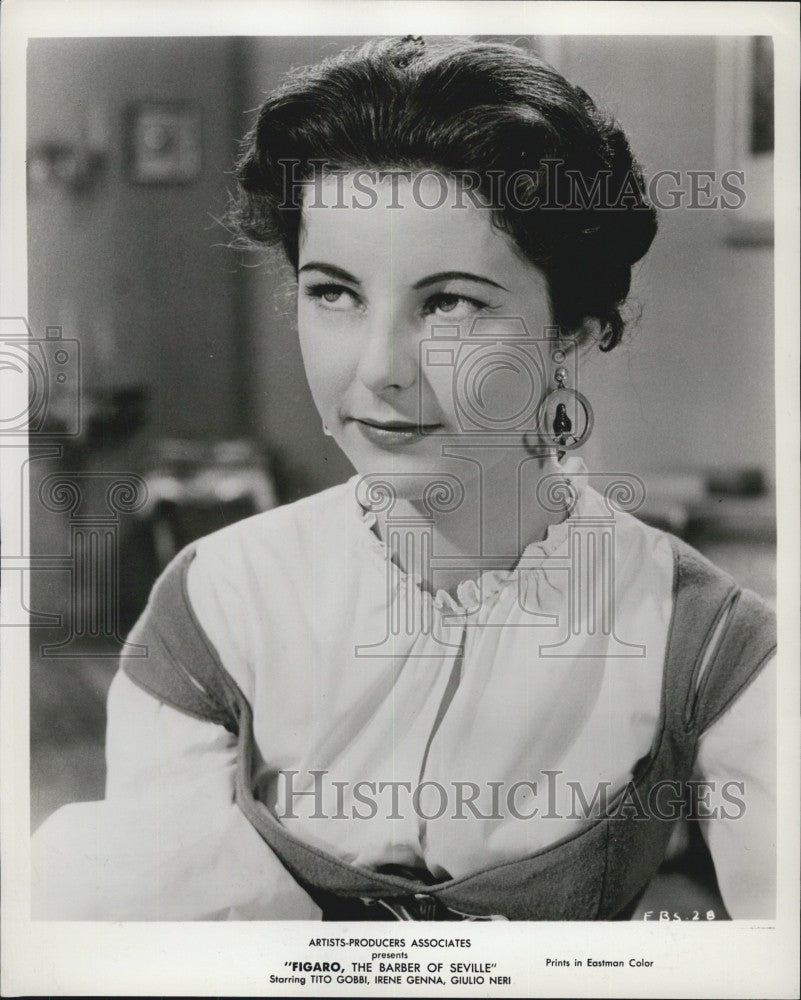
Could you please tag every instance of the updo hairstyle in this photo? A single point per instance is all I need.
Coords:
(575, 205)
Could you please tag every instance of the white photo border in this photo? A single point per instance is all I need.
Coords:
(746, 958)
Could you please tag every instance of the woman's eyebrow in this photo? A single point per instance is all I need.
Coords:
(432, 279)
(331, 270)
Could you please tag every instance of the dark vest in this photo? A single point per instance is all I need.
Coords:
(596, 873)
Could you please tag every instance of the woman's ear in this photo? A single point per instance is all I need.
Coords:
(584, 337)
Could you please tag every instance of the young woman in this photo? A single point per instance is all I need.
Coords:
(466, 683)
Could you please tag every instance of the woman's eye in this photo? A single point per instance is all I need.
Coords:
(453, 306)
(337, 298)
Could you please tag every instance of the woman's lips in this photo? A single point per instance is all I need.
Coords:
(393, 433)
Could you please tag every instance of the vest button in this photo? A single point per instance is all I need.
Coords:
(426, 906)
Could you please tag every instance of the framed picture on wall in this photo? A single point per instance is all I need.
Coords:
(744, 123)
(163, 141)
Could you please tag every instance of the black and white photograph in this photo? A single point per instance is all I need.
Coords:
(400, 499)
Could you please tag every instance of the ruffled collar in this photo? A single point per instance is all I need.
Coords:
(579, 502)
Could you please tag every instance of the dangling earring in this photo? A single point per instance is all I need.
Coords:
(565, 418)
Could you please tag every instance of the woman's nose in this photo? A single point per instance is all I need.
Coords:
(389, 358)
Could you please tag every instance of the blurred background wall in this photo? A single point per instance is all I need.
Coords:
(187, 343)
(139, 272)
(693, 388)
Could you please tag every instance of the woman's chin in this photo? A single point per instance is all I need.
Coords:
(413, 476)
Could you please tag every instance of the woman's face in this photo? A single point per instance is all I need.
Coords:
(410, 324)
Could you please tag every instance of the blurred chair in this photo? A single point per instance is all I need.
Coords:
(195, 488)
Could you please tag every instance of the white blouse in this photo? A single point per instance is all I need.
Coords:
(446, 734)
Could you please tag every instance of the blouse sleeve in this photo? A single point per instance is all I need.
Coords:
(736, 761)
(169, 841)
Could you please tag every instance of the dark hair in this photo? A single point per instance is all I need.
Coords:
(577, 208)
